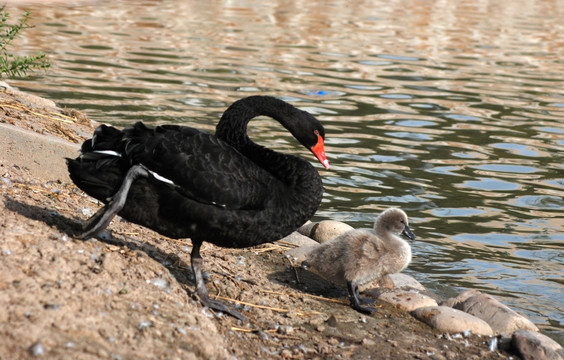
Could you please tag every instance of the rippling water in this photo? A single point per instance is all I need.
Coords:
(451, 110)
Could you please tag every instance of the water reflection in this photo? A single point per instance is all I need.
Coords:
(450, 110)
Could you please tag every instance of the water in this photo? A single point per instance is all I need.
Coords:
(451, 110)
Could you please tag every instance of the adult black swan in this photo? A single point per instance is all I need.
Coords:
(185, 183)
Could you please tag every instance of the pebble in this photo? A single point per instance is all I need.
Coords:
(5, 182)
(161, 283)
(285, 330)
(535, 346)
(447, 319)
(37, 349)
(501, 318)
(144, 324)
(407, 300)
(286, 354)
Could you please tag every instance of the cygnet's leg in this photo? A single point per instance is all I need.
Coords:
(104, 216)
(196, 260)
(355, 299)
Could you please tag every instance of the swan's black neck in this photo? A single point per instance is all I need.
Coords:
(232, 128)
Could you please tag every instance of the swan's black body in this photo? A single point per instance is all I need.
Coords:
(223, 189)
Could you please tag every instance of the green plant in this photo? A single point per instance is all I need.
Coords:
(14, 65)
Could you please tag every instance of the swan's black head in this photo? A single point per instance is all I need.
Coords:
(311, 134)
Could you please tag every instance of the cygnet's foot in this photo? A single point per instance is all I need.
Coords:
(356, 300)
(363, 309)
(366, 301)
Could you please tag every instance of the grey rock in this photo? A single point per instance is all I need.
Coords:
(501, 318)
(535, 346)
(324, 230)
(298, 239)
(407, 300)
(404, 281)
(449, 320)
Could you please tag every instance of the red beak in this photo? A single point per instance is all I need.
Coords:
(319, 151)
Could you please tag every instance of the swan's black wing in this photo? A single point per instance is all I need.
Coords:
(203, 167)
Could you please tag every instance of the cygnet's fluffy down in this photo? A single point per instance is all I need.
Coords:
(358, 257)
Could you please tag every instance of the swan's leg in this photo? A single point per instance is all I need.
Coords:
(201, 289)
(104, 216)
(355, 299)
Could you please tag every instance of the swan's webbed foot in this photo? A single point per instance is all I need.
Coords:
(356, 300)
(202, 291)
(104, 216)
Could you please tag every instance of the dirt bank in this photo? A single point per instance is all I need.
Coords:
(128, 295)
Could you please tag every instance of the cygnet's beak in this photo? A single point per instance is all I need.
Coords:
(407, 233)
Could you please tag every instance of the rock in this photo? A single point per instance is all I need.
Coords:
(447, 319)
(306, 228)
(502, 319)
(403, 281)
(329, 229)
(324, 230)
(535, 346)
(407, 300)
(298, 239)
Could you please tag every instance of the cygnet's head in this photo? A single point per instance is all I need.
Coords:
(395, 221)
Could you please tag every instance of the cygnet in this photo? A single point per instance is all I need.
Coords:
(359, 257)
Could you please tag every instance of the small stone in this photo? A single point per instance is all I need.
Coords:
(86, 212)
(285, 330)
(368, 342)
(5, 182)
(332, 321)
(37, 349)
(161, 284)
(446, 319)
(286, 354)
(144, 324)
(536, 346)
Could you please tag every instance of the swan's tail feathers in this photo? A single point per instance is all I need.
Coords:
(105, 143)
(100, 169)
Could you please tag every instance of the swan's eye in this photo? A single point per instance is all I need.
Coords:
(316, 132)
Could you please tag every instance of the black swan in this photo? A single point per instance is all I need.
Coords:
(185, 183)
(358, 257)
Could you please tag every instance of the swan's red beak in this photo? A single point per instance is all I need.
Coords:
(319, 151)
